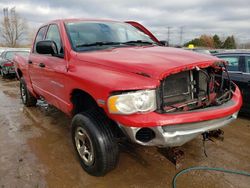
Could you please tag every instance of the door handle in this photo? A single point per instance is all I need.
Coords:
(42, 65)
(30, 62)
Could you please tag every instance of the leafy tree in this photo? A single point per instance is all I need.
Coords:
(213, 42)
(195, 42)
(229, 43)
(233, 42)
(207, 41)
(217, 41)
(12, 27)
(203, 41)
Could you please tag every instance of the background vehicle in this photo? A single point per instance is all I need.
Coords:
(116, 80)
(2, 49)
(6, 60)
(239, 71)
(199, 50)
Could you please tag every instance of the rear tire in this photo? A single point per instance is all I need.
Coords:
(27, 98)
(94, 142)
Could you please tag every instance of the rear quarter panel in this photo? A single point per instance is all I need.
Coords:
(21, 65)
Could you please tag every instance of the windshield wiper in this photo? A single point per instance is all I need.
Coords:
(97, 44)
(138, 42)
(115, 43)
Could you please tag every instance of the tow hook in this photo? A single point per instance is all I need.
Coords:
(210, 136)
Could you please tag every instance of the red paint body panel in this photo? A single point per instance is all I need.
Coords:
(155, 61)
(100, 73)
(21, 64)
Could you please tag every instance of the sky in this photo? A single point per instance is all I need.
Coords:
(192, 18)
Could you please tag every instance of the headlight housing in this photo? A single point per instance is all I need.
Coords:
(132, 102)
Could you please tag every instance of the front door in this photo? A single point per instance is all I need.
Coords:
(55, 67)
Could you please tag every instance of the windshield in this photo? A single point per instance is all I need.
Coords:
(10, 55)
(98, 35)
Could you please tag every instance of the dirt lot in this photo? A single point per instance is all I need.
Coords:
(36, 151)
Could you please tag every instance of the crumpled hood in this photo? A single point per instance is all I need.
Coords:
(151, 61)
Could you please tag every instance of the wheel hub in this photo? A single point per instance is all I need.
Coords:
(84, 146)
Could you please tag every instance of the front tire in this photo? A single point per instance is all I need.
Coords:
(27, 98)
(94, 142)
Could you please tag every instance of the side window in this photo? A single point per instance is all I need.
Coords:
(233, 62)
(247, 60)
(10, 55)
(39, 36)
(54, 35)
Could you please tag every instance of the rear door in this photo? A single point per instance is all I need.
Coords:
(246, 86)
(36, 72)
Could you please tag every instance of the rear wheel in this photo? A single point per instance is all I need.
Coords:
(94, 142)
(27, 98)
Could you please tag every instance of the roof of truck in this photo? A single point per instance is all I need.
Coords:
(83, 19)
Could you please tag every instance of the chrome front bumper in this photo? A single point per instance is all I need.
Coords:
(177, 135)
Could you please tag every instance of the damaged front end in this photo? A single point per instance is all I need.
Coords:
(195, 89)
(190, 101)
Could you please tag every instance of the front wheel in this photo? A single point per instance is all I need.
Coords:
(27, 98)
(94, 142)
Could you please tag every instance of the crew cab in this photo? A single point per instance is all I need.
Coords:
(115, 78)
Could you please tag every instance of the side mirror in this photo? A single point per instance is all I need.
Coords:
(47, 47)
(164, 43)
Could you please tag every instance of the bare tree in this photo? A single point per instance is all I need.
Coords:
(12, 27)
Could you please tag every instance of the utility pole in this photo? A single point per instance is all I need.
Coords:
(6, 14)
(169, 35)
(181, 34)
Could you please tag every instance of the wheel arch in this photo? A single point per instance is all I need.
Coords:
(82, 101)
(19, 73)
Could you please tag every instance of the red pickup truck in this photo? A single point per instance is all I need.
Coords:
(115, 77)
